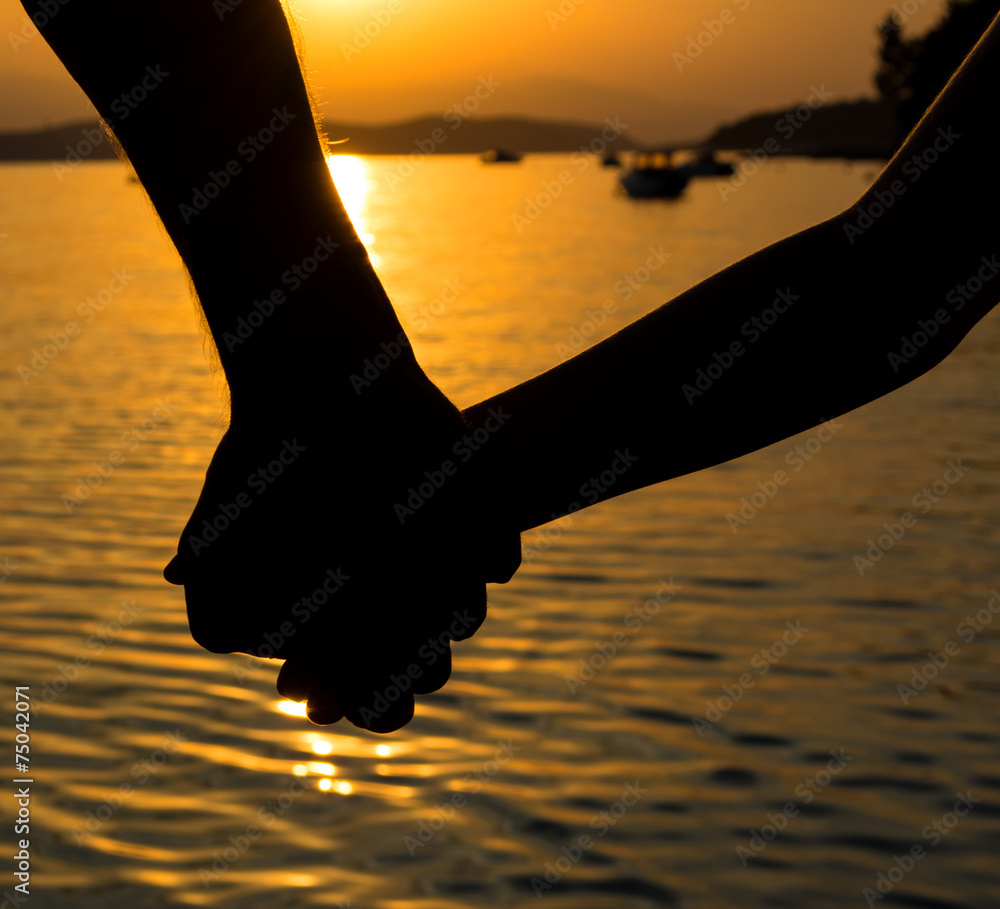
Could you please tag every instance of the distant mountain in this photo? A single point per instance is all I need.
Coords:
(451, 135)
(850, 129)
(658, 121)
(853, 129)
(58, 143)
(657, 116)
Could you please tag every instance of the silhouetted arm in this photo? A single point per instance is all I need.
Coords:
(208, 102)
(294, 548)
(818, 322)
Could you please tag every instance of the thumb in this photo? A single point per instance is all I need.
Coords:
(173, 573)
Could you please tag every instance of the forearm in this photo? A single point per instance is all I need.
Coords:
(801, 332)
(213, 114)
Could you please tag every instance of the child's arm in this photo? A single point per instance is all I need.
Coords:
(796, 334)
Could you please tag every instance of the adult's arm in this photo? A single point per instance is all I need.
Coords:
(294, 548)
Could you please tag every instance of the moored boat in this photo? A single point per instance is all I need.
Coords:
(653, 176)
(500, 156)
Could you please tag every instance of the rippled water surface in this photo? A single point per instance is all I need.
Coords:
(742, 741)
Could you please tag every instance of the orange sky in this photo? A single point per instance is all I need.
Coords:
(550, 57)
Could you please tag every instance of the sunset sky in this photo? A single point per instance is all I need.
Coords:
(574, 59)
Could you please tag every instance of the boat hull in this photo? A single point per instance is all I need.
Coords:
(654, 183)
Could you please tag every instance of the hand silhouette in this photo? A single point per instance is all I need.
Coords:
(305, 545)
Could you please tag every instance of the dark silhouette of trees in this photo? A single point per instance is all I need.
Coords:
(913, 70)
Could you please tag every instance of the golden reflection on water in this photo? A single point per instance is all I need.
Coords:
(291, 708)
(351, 177)
(245, 751)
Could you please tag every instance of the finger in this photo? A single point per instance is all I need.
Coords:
(462, 610)
(324, 708)
(320, 716)
(435, 670)
(380, 717)
(423, 656)
(173, 573)
(503, 561)
(299, 678)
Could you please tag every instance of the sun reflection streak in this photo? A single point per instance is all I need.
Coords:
(299, 880)
(350, 174)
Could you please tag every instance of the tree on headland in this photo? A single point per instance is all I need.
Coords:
(913, 70)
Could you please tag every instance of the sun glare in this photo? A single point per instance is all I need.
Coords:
(350, 175)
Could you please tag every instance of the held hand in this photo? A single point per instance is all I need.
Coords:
(303, 546)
